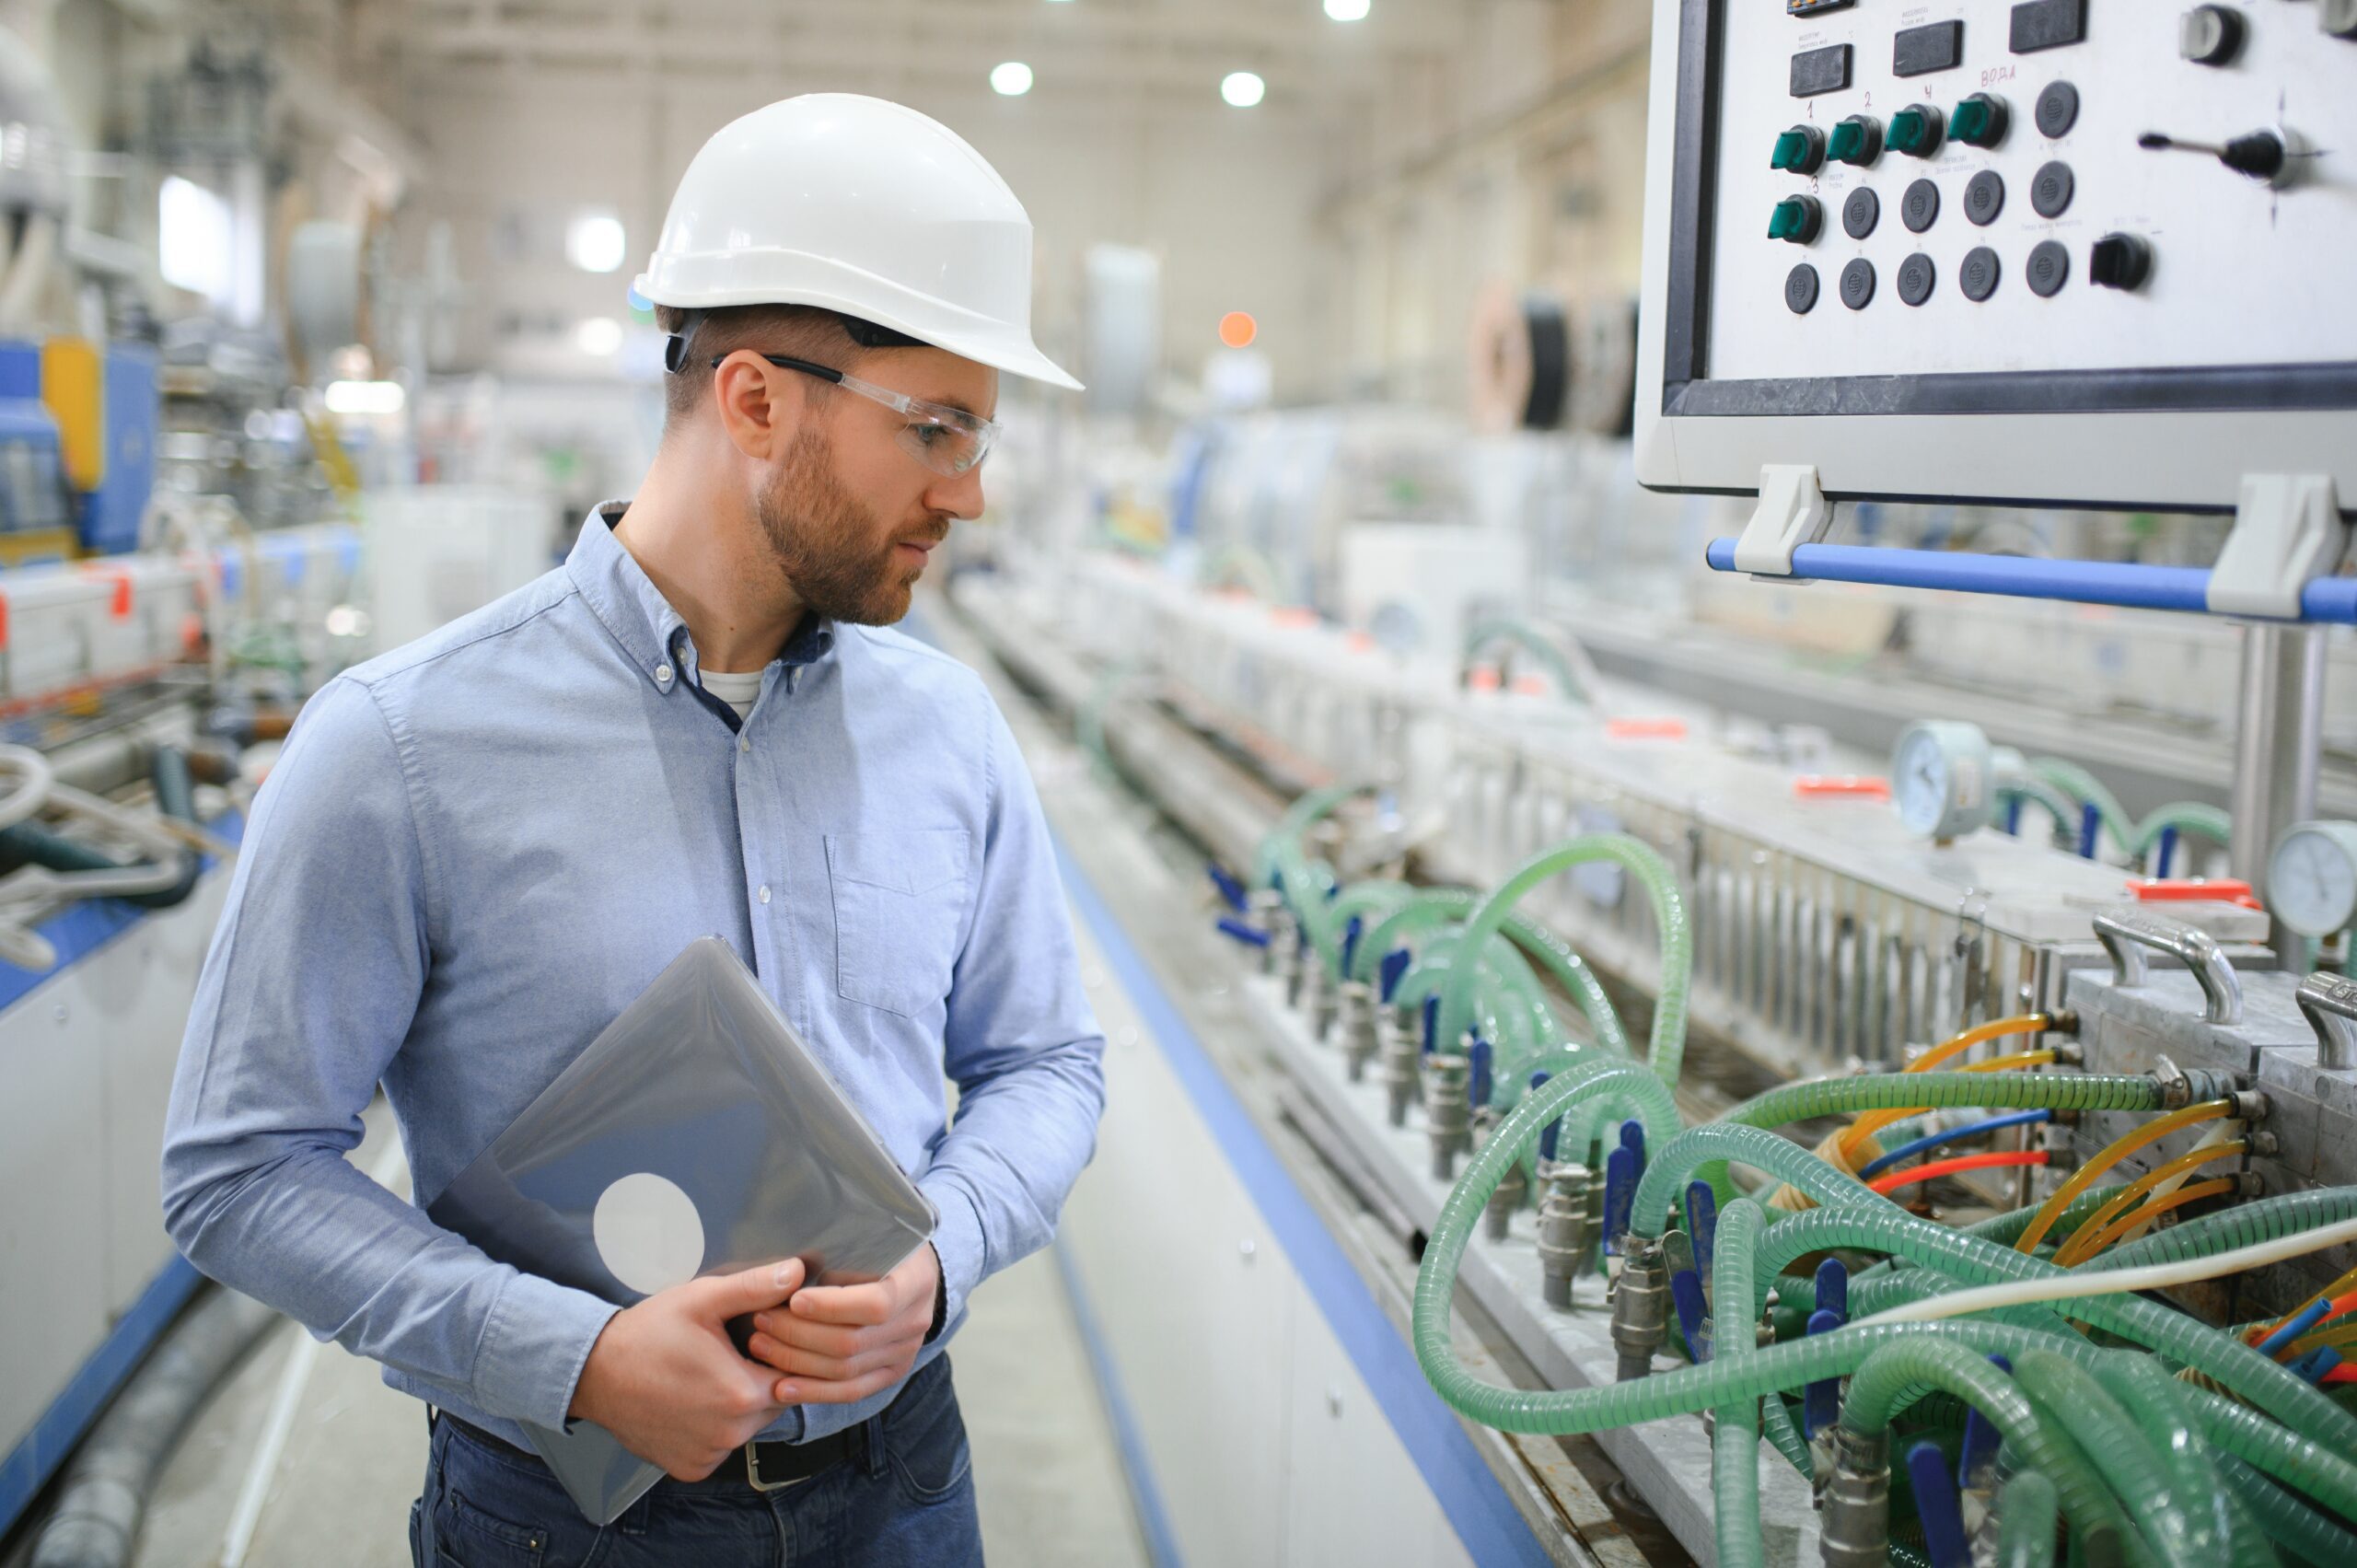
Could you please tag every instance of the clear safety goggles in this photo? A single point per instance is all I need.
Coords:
(947, 440)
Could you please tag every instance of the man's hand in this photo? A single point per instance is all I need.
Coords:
(665, 1379)
(836, 1344)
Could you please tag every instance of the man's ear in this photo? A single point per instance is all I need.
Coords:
(760, 406)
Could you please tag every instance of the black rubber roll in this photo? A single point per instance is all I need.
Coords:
(1550, 362)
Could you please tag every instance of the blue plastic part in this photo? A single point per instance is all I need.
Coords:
(2014, 815)
(2127, 584)
(2167, 850)
(1694, 1311)
(1702, 1225)
(1981, 1442)
(1552, 1131)
(1432, 1022)
(1231, 891)
(1937, 1505)
(1351, 931)
(1876, 1166)
(2317, 1363)
(1477, 1077)
(2294, 1326)
(1821, 1406)
(1395, 964)
(1621, 1172)
(1251, 935)
(2090, 820)
(1833, 1289)
(1632, 1138)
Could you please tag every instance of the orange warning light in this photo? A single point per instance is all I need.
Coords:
(1237, 328)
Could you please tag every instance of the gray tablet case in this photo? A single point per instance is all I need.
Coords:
(702, 1095)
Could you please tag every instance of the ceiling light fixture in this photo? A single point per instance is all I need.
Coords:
(1242, 90)
(1011, 78)
(1347, 10)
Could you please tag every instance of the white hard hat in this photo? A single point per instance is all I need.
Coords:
(862, 206)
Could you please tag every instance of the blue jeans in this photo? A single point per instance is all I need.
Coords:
(910, 1502)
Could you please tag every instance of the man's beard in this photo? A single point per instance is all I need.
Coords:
(823, 539)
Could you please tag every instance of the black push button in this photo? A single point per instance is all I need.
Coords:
(2057, 109)
(2050, 189)
(1978, 276)
(1823, 70)
(1861, 213)
(1918, 51)
(1800, 289)
(1858, 284)
(2049, 268)
(1920, 208)
(2047, 24)
(1984, 198)
(1916, 276)
(2119, 260)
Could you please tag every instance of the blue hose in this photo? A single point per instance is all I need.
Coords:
(1970, 1130)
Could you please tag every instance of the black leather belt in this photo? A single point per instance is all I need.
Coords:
(764, 1467)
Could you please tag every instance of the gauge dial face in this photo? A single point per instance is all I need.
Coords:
(2312, 878)
(1940, 778)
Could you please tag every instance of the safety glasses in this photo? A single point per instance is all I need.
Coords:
(947, 440)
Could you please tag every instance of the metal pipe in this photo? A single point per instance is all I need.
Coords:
(2278, 727)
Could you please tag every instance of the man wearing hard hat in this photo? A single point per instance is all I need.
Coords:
(477, 849)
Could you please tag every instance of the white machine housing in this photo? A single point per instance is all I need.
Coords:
(2238, 354)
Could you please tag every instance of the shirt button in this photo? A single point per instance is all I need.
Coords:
(662, 674)
(743, 743)
(764, 894)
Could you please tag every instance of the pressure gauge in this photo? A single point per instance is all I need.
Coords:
(1941, 776)
(2312, 878)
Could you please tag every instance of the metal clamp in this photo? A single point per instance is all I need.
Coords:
(2330, 1004)
(2126, 934)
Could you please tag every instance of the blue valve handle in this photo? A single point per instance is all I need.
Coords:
(2167, 850)
(1694, 1311)
(2294, 1326)
(1351, 931)
(1981, 1440)
(1548, 1134)
(1821, 1406)
(1432, 1022)
(2014, 815)
(1937, 1505)
(1833, 1289)
(1395, 966)
(1702, 1225)
(1478, 1074)
(2090, 818)
(1632, 1138)
(1251, 935)
(1231, 891)
(1620, 1174)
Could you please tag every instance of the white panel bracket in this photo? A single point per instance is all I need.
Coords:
(1791, 512)
(2288, 530)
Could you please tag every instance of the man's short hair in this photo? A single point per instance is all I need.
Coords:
(801, 331)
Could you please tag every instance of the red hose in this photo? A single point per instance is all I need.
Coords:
(1899, 1178)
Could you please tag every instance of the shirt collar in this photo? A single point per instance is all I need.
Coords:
(621, 596)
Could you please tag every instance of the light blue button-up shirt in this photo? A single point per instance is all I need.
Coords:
(475, 851)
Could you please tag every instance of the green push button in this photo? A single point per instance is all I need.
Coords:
(1854, 139)
(1915, 131)
(1796, 219)
(1799, 150)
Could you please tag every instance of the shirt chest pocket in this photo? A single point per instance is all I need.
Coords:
(899, 898)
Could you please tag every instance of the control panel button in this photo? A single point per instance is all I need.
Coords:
(2049, 268)
(2210, 35)
(1800, 150)
(1823, 70)
(1858, 284)
(2057, 109)
(1916, 130)
(1919, 207)
(2046, 24)
(1917, 52)
(2119, 260)
(1811, 7)
(1861, 213)
(1978, 276)
(1916, 276)
(1856, 140)
(1984, 197)
(2050, 189)
(1979, 121)
(1796, 219)
(1800, 289)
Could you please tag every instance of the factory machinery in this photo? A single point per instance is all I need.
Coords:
(1769, 1152)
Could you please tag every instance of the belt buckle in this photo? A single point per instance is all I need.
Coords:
(753, 1471)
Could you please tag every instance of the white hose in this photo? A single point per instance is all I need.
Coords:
(2156, 1276)
(29, 779)
(20, 291)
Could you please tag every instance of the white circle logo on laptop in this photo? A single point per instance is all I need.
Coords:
(648, 1233)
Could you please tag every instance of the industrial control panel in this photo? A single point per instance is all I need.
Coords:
(2074, 250)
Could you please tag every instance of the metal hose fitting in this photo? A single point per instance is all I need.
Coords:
(1854, 1531)
(1497, 1215)
(1317, 998)
(1356, 1013)
(1265, 911)
(1564, 1232)
(1640, 1307)
(1402, 1063)
(1448, 1110)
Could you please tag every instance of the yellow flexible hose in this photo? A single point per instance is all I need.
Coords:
(2020, 1023)
(2118, 1149)
(2160, 1206)
(2339, 1287)
(1874, 1121)
(2088, 1240)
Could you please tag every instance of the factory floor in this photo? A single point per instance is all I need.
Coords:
(1046, 1469)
